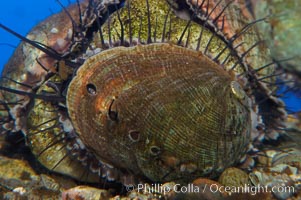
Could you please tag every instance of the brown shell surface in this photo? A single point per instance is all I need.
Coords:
(175, 115)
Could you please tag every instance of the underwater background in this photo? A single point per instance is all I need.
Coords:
(21, 16)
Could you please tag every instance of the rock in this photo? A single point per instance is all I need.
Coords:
(85, 193)
(249, 196)
(234, 177)
(15, 173)
(20, 181)
(206, 191)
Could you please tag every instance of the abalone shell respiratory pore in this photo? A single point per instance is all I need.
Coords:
(160, 111)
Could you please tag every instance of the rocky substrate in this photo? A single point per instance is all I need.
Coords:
(276, 175)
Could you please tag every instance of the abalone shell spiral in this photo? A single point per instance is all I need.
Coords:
(159, 111)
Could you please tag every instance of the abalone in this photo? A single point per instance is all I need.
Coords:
(160, 111)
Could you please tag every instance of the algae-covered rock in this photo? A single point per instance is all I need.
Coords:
(234, 177)
(19, 181)
(15, 173)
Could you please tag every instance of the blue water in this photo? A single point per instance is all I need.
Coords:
(22, 15)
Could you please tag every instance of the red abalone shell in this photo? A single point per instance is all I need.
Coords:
(139, 107)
